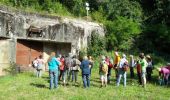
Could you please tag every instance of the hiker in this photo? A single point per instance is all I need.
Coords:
(76, 68)
(131, 65)
(164, 74)
(109, 63)
(53, 64)
(138, 69)
(123, 65)
(103, 70)
(143, 63)
(68, 64)
(91, 61)
(149, 68)
(62, 69)
(116, 63)
(40, 66)
(85, 72)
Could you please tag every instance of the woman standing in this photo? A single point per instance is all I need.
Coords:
(53, 64)
(40, 66)
(149, 68)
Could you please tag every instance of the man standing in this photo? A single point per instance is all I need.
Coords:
(143, 63)
(85, 72)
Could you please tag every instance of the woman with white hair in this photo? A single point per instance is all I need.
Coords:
(122, 70)
(164, 74)
(85, 72)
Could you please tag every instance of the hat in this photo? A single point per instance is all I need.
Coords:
(149, 57)
(124, 56)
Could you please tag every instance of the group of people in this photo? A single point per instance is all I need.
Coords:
(143, 64)
(63, 69)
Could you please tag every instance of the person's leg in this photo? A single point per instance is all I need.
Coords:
(64, 77)
(40, 73)
(139, 78)
(116, 73)
(102, 81)
(119, 78)
(84, 80)
(51, 74)
(76, 74)
(60, 75)
(105, 80)
(124, 79)
(37, 73)
(69, 74)
(73, 75)
(88, 80)
(56, 78)
(108, 75)
(131, 72)
(143, 79)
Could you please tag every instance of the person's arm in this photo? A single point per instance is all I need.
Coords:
(81, 66)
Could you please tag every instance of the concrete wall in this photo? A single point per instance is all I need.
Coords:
(66, 30)
(7, 54)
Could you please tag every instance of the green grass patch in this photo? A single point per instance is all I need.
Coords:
(26, 86)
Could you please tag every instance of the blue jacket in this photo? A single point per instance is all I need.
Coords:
(85, 67)
(53, 64)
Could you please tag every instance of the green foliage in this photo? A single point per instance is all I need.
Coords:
(12, 69)
(121, 32)
(96, 45)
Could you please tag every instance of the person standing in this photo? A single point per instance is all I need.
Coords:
(122, 70)
(53, 64)
(85, 72)
(92, 62)
(116, 63)
(61, 76)
(109, 63)
(76, 67)
(103, 71)
(143, 63)
(138, 69)
(131, 65)
(68, 65)
(40, 66)
(149, 68)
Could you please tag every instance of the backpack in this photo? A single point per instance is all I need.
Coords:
(125, 66)
(104, 68)
(68, 62)
(34, 64)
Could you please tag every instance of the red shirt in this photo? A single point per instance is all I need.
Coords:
(62, 63)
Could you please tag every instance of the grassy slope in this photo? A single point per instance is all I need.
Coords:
(25, 87)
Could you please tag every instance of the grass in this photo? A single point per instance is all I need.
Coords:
(26, 86)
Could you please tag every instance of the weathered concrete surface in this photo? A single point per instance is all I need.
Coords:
(6, 54)
(57, 29)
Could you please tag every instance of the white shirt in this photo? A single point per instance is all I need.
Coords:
(122, 61)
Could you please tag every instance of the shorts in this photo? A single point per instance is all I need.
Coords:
(143, 74)
(103, 78)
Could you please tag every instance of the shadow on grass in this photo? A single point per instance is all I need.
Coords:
(38, 85)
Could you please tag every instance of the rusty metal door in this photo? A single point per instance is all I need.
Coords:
(27, 51)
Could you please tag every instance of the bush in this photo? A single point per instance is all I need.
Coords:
(96, 45)
(12, 69)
